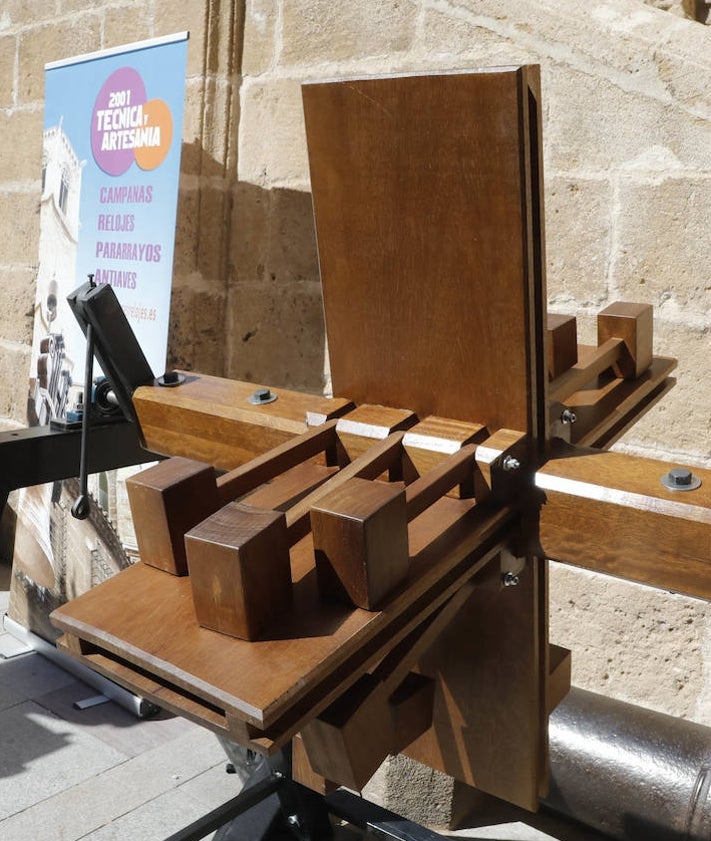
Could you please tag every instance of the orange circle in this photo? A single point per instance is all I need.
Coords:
(156, 134)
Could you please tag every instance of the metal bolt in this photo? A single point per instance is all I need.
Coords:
(568, 416)
(171, 379)
(510, 579)
(293, 820)
(510, 463)
(680, 479)
(261, 396)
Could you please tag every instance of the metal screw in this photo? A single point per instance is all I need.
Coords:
(680, 479)
(261, 396)
(510, 579)
(293, 820)
(510, 463)
(568, 416)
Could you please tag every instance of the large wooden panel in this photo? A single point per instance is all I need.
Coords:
(428, 202)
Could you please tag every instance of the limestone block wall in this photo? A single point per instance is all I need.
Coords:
(627, 130)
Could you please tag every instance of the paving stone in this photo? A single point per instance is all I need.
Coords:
(111, 723)
(41, 755)
(105, 797)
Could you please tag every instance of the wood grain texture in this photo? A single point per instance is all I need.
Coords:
(608, 406)
(170, 498)
(489, 711)
(633, 527)
(360, 542)
(209, 419)
(312, 654)
(350, 739)
(167, 500)
(359, 428)
(445, 268)
(432, 440)
(240, 575)
(633, 323)
(562, 334)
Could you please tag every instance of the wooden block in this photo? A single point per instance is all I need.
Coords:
(166, 501)
(351, 738)
(303, 773)
(411, 707)
(360, 541)
(559, 673)
(211, 419)
(493, 457)
(431, 441)
(358, 429)
(633, 324)
(562, 335)
(239, 569)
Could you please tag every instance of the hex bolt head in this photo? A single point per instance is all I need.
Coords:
(680, 476)
(680, 479)
(510, 463)
(510, 579)
(568, 416)
(293, 820)
(261, 396)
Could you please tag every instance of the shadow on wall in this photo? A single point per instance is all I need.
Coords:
(275, 323)
(246, 301)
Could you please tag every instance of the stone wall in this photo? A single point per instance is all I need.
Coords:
(627, 129)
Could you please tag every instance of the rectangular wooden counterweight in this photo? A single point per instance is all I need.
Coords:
(239, 569)
(633, 324)
(562, 343)
(360, 541)
(166, 501)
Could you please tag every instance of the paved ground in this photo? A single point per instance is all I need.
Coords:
(101, 774)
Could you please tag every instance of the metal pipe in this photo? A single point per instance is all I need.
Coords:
(140, 707)
(630, 773)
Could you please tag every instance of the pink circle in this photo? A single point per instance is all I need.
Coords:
(116, 112)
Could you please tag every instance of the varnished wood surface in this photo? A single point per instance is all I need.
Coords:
(270, 465)
(209, 419)
(146, 618)
(352, 737)
(607, 406)
(489, 711)
(633, 323)
(609, 512)
(428, 203)
(240, 574)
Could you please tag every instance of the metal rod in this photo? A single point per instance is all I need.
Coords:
(231, 809)
(380, 822)
(140, 707)
(81, 507)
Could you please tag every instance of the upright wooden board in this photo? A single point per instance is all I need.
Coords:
(428, 203)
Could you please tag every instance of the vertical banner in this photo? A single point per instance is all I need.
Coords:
(110, 173)
(110, 176)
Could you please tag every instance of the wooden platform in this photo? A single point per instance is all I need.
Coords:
(143, 620)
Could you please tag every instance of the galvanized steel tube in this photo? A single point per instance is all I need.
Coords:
(633, 774)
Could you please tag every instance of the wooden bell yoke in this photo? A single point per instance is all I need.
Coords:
(368, 572)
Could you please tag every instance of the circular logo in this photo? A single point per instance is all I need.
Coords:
(126, 126)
